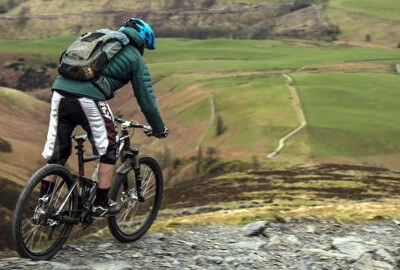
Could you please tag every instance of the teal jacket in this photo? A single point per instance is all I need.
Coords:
(127, 65)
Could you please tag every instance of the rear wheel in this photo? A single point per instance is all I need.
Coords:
(37, 232)
(136, 218)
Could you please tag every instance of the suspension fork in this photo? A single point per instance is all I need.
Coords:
(138, 177)
(132, 161)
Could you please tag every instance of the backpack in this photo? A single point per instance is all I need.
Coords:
(88, 55)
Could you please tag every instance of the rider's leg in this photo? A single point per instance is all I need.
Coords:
(105, 172)
(100, 126)
(58, 144)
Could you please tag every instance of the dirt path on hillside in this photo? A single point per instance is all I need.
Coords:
(300, 114)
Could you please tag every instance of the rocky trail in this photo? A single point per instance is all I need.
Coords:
(303, 244)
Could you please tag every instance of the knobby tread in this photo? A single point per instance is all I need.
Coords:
(112, 222)
(50, 169)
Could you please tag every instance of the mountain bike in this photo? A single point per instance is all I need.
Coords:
(42, 222)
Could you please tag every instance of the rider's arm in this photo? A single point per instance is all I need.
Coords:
(144, 94)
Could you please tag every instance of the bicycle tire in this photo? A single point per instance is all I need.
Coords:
(118, 186)
(21, 210)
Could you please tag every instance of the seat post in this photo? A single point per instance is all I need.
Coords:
(79, 153)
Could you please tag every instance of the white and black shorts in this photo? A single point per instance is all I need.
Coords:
(95, 117)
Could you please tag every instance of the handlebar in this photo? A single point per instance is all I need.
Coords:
(132, 124)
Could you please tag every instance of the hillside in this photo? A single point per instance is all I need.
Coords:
(358, 19)
(23, 122)
(367, 22)
(251, 99)
(191, 18)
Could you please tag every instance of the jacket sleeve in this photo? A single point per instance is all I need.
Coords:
(144, 94)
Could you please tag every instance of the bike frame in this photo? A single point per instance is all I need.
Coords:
(87, 187)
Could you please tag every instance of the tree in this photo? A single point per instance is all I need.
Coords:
(207, 3)
(199, 158)
(23, 16)
(368, 38)
(220, 129)
(255, 163)
(166, 158)
(299, 4)
(178, 4)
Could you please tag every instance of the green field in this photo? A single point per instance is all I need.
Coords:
(384, 9)
(351, 114)
(251, 96)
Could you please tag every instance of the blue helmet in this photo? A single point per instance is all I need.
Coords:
(144, 30)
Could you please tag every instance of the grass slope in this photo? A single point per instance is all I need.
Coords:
(24, 123)
(358, 18)
(351, 114)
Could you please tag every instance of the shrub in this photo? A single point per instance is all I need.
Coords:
(208, 3)
(220, 129)
(300, 4)
(5, 146)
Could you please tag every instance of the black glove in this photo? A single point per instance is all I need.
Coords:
(163, 134)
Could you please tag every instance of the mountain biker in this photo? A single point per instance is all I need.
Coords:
(81, 103)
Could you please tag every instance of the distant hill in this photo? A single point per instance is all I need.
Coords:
(178, 18)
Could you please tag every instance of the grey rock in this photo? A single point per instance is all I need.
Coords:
(215, 259)
(377, 230)
(112, 251)
(230, 259)
(253, 244)
(327, 254)
(74, 247)
(353, 246)
(365, 263)
(382, 265)
(56, 265)
(292, 239)
(254, 228)
(107, 256)
(113, 265)
(159, 252)
(385, 255)
(305, 266)
(105, 245)
(158, 236)
(167, 265)
(189, 244)
(136, 255)
(175, 262)
(274, 241)
(311, 229)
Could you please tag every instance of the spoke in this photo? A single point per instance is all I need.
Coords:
(149, 190)
(40, 237)
(27, 234)
(145, 172)
(59, 192)
(150, 195)
(149, 187)
(148, 181)
(129, 210)
(25, 224)
(30, 243)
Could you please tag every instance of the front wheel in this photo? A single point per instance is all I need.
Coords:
(37, 232)
(136, 218)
